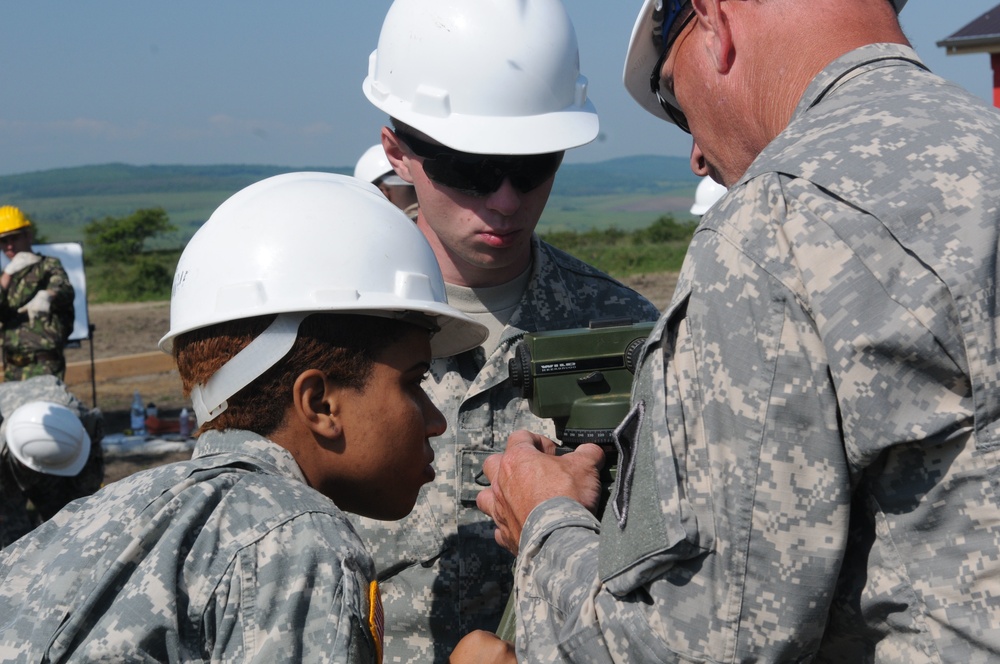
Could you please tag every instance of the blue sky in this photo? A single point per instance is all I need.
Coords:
(248, 81)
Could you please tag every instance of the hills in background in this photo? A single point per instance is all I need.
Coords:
(629, 192)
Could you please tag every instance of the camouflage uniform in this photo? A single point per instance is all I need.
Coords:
(227, 557)
(443, 574)
(48, 493)
(810, 469)
(36, 349)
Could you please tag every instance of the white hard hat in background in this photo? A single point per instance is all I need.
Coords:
(706, 195)
(48, 438)
(644, 52)
(303, 243)
(374, 167)
(483, 76)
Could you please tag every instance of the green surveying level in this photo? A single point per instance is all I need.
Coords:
(582, 380)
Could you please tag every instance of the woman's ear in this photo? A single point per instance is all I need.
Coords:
(317, 404)
(397, 157)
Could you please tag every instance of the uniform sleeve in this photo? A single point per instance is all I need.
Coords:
(733, 490)
(301, 593)
(60, 285)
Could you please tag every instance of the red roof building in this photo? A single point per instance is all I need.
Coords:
(980, 36)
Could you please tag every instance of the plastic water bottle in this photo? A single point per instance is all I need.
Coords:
(138, 415)
(185, 422)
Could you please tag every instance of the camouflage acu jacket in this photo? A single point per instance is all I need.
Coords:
(47, 493)
(48, 332)
(813, 452)
(442, 573)
(227, 557)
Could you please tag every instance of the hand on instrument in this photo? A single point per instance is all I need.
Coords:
(529, 473)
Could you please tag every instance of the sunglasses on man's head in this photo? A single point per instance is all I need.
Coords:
(481, 175)
(669, 21)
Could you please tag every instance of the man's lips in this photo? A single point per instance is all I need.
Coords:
(498, 238)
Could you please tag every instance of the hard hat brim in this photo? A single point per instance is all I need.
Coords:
(457, 332)
(491, 135)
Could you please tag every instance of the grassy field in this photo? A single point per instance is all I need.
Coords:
(619, 253)
(597, 212)
(626, 193)
(627, 212)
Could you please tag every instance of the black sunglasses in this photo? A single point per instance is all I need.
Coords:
(481, 175)
(669, 22)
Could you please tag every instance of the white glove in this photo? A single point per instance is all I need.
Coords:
(21, 260)
(40, 304)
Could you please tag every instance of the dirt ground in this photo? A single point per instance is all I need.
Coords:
(127, 329)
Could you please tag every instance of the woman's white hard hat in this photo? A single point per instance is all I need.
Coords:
(304, 243)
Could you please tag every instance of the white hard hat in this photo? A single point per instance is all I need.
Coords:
(706, 195)
(48, 438)
(644, 52)
(374, 167)
(483, 76)
(303, 243)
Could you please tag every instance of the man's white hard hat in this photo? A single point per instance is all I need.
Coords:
(374, 167)
(643, 54)
(483, 76)
(706, 195)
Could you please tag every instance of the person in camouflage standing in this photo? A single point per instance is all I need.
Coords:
(481, 141)
(36, 303)
(810, 471)
(304, 367)
(48, 483)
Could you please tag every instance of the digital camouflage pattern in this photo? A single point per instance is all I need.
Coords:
(813, 451)
(227, 557)
(23, 340)
(48, 493)
(441, 571)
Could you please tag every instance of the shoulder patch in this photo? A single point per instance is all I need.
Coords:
(376, 618)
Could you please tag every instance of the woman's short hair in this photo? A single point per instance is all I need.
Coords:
(343, 346)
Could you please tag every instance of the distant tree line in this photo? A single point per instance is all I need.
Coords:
(122, 268)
